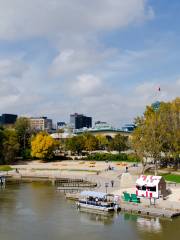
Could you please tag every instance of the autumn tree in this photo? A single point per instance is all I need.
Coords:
(43, 146)
(158, 133)
(139, 144)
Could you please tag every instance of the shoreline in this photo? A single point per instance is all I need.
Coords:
(49, 172)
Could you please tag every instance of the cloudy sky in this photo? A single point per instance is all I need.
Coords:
(103, 58)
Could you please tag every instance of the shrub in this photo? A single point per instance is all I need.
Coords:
(113, 157)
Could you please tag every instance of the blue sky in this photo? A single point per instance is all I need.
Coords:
(103, 58)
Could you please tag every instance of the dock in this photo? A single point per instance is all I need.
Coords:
(77, 185)
(149, 210)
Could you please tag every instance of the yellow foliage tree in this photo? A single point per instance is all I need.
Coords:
(42, 146)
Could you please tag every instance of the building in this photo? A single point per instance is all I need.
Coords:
(8, 119)
(61, 125)
(129, 127)
(78, 121)
(41, 124)
(103, 129)
(150, 186)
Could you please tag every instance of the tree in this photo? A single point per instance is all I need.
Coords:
(119, 143)
(23, 130)
(139, 144)
(91, 142)
(75, 144)
(1, 144)
(158, 133)
(10, 146)
(43, 146)
(102, 142)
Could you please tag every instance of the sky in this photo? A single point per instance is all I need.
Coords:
(102, 58)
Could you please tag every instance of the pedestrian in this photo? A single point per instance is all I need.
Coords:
(112, 183)
(126, 169)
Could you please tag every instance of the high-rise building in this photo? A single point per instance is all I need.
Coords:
(8, 119)
(78, 121)
(41, 123)
(61, 125)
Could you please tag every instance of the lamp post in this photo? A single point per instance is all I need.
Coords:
(106, 186)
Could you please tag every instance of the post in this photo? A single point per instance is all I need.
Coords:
(106, 186)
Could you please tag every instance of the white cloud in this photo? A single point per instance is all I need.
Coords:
(12, 66)
(86, 84)
(23, 19)
(78, 60)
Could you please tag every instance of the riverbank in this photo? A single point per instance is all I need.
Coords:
(95, 172)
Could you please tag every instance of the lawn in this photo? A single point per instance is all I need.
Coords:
(171, 177)
(5, 168)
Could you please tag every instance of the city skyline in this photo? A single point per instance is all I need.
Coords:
(105, 59)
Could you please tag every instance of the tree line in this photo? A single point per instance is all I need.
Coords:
(156, 137)
(22, 142)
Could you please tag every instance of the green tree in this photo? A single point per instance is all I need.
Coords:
(43, 146)
(91, 142)
(10, 146)
(102, 142)
(119, 143)
(23, 130)
(1, 144)
(75, 144)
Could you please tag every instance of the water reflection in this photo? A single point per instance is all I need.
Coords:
(149, 225)
(96, 218)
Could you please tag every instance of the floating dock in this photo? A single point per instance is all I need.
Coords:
(149, 210)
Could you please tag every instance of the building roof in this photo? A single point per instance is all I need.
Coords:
(61, 135)
(148, 180)
(93, 194)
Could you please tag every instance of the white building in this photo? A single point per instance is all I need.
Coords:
(150, 186)
(41, 123)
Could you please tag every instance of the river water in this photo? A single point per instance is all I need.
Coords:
(35, 211)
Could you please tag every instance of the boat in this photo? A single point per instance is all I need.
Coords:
(97, 201)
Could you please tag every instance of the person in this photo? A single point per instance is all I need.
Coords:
(126, 169)
(112, 183)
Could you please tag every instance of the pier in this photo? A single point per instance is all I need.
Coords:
(148, 210)
(73, 185)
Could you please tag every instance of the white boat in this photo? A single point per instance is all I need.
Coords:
(97, 201)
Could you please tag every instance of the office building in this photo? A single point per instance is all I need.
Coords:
(41, 124)
(8, 119)
(78, 121)
(61, 125)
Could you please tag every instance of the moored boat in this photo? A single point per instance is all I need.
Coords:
(97, 201)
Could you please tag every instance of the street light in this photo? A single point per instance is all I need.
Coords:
(106, 186)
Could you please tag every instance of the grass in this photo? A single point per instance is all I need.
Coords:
(171, 177)
(5, 168)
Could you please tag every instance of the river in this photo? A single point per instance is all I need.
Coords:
(35, 211)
